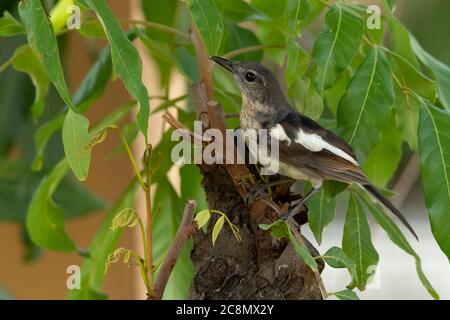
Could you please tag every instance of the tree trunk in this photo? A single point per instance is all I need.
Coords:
(257, 267)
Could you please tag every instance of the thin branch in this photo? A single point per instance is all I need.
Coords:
(157, 26)
(148, 204)
(231, 115)
(203, 61)
(184, 131)
(406, 180)
(259, 47)
(187, 228)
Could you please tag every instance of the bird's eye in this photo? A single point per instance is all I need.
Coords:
(250, 76)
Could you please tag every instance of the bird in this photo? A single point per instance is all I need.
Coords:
(307, 151)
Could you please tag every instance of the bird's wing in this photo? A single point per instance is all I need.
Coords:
(336, 168)
(310, 147)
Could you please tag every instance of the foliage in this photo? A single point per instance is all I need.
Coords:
(376, 93)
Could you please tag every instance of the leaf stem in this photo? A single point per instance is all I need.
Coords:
(145, 273)
(130, 155)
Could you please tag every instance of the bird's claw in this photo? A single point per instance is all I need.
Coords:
(255, 192)
(287, 216)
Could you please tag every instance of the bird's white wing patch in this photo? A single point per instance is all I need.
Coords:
(310, 141)
(278, 133)
(315, 143)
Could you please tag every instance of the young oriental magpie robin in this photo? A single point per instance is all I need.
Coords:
(307, 151)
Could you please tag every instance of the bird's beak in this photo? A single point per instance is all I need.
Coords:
(223, 63)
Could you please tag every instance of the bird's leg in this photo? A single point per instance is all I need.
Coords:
(259, 190)
(294, 210)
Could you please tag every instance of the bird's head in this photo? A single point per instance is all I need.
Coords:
(257, 83)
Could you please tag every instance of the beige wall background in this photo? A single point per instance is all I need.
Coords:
(46, 277)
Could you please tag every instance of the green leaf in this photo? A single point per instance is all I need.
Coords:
(412, 78)
(333, 188)
(95, 81)
(305, 98)
(335, 257)
(335, 47)
(42, 40)
(334, 94)
(41, 137)
(45, 220)
(405, 65)
(75, 139)
(9, 26)
(407, 110)
(166, 13)
(92, 269)
(321, 209)
(383, 160)
(440, 71)
(357, 243)
(297, 63)
(92, 86)
(25, 60)
(237, 38)
(400, 43)
(302, 251)
(434, 150)
(209, 22)
(389, 3)
(365, 107)
(125, 58)
(280, 229)
(217, 228)
(399, 239)
(202, 218)
(274, 9)
(18, 185)
(239, 10)
(191, 183)
(346, 295)
(296, 12)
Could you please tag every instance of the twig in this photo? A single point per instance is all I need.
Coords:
(157, 26)
(203, 61)
(231, 115)
(406, 180)
(259, 47)
(298, 237)
(187, 228)
(148, 204)
(185, 132)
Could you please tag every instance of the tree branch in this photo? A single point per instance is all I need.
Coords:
(187, 228)
(258, 47)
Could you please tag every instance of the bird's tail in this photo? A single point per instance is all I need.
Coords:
(372, 190)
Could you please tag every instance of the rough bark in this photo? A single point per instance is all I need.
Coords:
(257, 267)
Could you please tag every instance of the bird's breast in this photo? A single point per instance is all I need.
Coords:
(255, 115)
